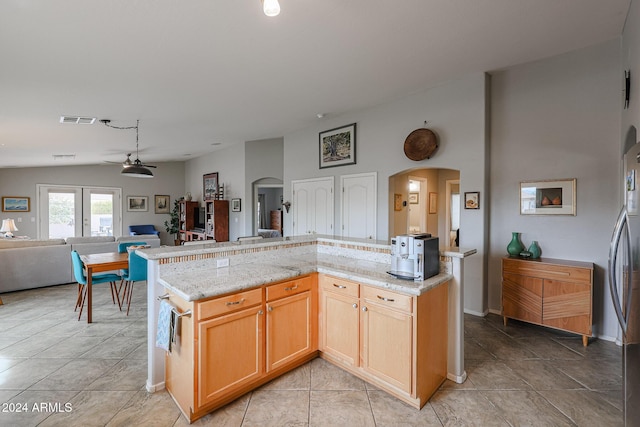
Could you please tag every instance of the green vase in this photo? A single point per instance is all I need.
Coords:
(535, 249)
(515, 246)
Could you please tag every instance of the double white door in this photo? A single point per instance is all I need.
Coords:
(313, 206)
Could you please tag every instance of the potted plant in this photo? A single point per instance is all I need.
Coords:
(172, 225)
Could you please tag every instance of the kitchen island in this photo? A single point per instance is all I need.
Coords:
(210, 273)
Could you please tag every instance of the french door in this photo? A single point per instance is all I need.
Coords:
(74, 211)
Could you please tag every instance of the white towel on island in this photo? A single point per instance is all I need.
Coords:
(163, 335)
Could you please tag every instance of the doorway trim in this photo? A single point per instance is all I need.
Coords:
(448, 184)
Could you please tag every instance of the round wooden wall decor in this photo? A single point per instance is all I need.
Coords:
(420, 144)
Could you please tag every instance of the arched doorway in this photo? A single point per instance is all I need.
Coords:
(425, 200)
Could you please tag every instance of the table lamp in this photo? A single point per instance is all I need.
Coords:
(8, 227)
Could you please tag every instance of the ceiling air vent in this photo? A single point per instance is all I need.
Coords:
(64, 156)
(76, 120)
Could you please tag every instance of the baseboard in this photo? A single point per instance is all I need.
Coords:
(457, 378)
(152, 388)
(476, 313)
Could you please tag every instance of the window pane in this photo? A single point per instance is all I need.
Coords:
(61, 215)
(101, 214)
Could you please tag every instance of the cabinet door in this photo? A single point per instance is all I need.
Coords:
(387, 345)
(289, 329)
(567, 306)
(522, 297)
(339, 317)
(230, 353)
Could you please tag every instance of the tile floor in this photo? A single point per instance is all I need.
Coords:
(61, 372)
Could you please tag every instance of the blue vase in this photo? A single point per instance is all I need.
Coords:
(535, 249)
(515, 246)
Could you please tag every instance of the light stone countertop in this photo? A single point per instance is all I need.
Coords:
(192, 284)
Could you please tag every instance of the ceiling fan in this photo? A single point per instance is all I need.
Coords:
(132, 168)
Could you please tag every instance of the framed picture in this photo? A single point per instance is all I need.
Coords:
(338, 146)
(235, 205)
(433, 203)
(550, 197)
(162, 204)
(397, 202)
(137, 203)
(472, 200)
(16, 204)
(414, 198)
(210, 186)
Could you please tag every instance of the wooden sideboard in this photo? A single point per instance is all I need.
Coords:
(549, 292)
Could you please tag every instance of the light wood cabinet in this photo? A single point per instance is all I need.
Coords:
(397, 342)
(291, 325)
(230, 345)
(339, 319)
(387, 336)
(230, 353)
(549, 292)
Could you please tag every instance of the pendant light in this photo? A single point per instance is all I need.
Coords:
(271, 7)
(135, 169)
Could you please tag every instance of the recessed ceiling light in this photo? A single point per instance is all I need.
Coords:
(77, 120)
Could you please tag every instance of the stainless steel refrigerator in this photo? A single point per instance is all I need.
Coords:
(624, 281)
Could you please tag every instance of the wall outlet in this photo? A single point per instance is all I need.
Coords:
(224, 262)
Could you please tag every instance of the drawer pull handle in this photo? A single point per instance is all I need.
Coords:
(340, 286)
(235, 302)
(386, 299)
(291, 288)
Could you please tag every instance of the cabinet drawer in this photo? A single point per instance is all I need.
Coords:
(383, 297)
(229, 304)
(543, 270)
(341, 286)
(288, 288)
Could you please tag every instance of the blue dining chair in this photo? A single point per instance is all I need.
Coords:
(137, 273)
(81, 278)
(122, 248)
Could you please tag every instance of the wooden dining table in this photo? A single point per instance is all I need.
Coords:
(96, 263)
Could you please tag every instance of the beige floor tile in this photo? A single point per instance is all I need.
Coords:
(90, 409)
(340, 408)
(541, 375)
(389, 411)
(466, 408)
(129, 374)
(298, 379)
(30, 408)
(277, 408)
(526, 408)
(29, 347)
(147, 409)
(230, 415)
(71, 346)
(25, 374)
(584, 407)
(494, 375)
(325, 376)
(75, 375)
(114, 348)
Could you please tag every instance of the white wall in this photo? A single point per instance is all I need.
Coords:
(456, 112)
(229, 163)
(558, 118)
(168, 180)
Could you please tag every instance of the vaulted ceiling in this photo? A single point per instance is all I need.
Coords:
(204, 74)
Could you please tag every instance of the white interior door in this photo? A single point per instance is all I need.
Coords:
(359, 203)
(313, 206)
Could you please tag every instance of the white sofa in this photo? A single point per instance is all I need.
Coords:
(28, 264)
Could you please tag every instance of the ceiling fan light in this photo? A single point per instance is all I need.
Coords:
(136, 171)
(271, 7)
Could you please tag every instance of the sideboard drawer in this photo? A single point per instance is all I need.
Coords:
(341, 286)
